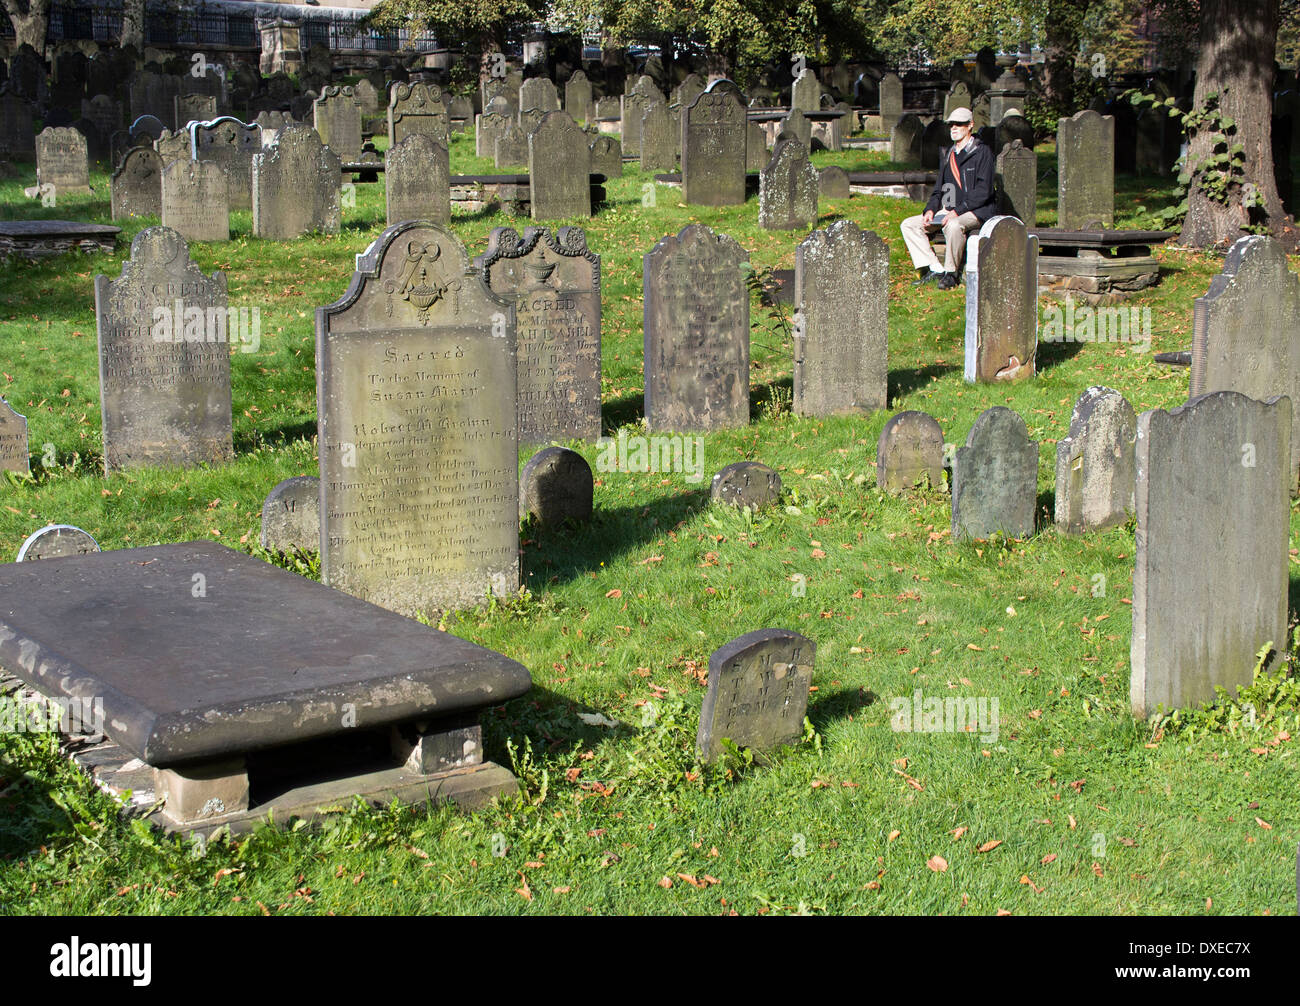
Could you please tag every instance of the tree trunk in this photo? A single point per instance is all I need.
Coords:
(1061, 27)
(31, 21)
(1236, 63)
(132, 24)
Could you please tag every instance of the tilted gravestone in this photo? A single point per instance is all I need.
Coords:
(696, 332)
(416, 108)
(994, 478)
(539, 93)
(1001, 301)
(417, 180)
(57, 541)
(1085, 156)
(337, 117)
(758, 692)
(1012, 129)
(296, 187)
(1210, 577)
(841, 344)
(657, 149)
(418, 442)
(1017, 182)
(1246, 329)
(905, 140)
(891, 102)
(1096, 464)
(164, 358)
(577, 97)
(559, 169)
(14, 456)
(556, 488)
(713, 151)
(787, 189)
(909, 453)
(833, 183)
(746, 484)
(607, 157)
(62, 161)
(487, 127)
(231, 144)
(136, 188)
(291, 515)
(195, 200)
(554, 282)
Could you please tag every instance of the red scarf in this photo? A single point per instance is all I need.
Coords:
(952, 166)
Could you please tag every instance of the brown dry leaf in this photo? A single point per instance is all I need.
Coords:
(1096, 868)
(901, 762)
(690, 880)
(665, 883)
(1263, 824)
(225, 871)
(1002, 911)
(561, 890)
(937, 863)
(972, 646)
(958, 832)
(1049, 858)
(872, 885)
(1024, 879)
(990, 845)
(894, 834)
(713, 851)
(1073, 822)
(417, 852)
(524, 892)
(817, 553)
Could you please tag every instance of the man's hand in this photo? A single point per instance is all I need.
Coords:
(925, 220)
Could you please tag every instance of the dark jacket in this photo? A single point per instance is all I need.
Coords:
(976, 193)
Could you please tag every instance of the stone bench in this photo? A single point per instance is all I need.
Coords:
(898, 184)
(1098, 264)
(236, 689)
(35, 239)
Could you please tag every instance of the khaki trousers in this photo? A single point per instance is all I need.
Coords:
(955, 228)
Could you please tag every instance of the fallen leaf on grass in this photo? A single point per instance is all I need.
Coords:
(1263, 824)
(524, 892)
(937, 863)
(1049, 858)
(990, 845)
(894, 834)
(614, 593)
(958, 832)
(1024, 879)
(1096, 868)
(561, 890)
(665, 883)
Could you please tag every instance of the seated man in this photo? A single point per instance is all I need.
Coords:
(963, 198)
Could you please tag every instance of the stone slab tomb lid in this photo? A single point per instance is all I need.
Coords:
(262, 658)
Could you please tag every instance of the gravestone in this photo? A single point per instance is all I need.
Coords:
(416, 108)
(1246, 329)
(994, 478)
(57, 541)
(909, 453)
(758, 692)
(136, 188)
(417, 181)
(62, 161)
(512, 148)
(833, 183)
(367, 96)
(891, 102)
(154, 94)
(14, 453)
(796, 124)
(291, 515)
(337, 117)
(539, 93)
(1096, 464)
(147, 128)
(696, 322)
(713, 151)
(755, 146)
(1001, 301)
(607, 157)
(959, 96)
(1210, 578)
(487, 127)
(172, 147)
(577, 97)
(27, 74)
(164, 357)
(608, 108)
(17, 128)
(806, 92)
(530, 119)
(1012, 129)
(1017, 182)
(554, 282)
(296, 187)
(634, 108)
(688, 90)
(841, 342)
(193, 108)
(460, 113)
(746, 484)
(1085, 153)
(556, 488)
(657, 150)
(905, 140)
(231, 144)
(104, 112)
(418, 443)
(933, 137)
(559, 169)
(195, 200)
(787, 189)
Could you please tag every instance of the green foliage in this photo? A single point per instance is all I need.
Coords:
(1269, 704)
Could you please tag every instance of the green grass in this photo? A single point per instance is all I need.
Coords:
(1094, 812)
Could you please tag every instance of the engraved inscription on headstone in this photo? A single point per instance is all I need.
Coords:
(746, 484)
(713, 150)
(909, 453)
(194, 200)
(417, 180)
(416, 108)
(136, 187)
(291, 515)
(14, 456)
(62, 160)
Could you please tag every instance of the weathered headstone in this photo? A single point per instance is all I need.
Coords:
(194, 108)
(891, 102)
(172, 147)
(1085, 153)
(418, 443)
(696, 332)
(657, 150)
(958, 97)
(417, 180)
(607, 157)
(530, 119)
(746, 484)
(1095, 464)
(416, 108)
(539, 93)
(14, 456)
(554, 282)
(104, 112)
(633, 111)
(511, 148)
(231, 144)
(1001, 301)
(1017, 181)
(1210, 578)
(994, 478)
(787, 189)
(833, 183)
(164, 356)
(909, 453)
(713, 151)
(608, 108)
(796, 124)
(337, 117)
(841, 343)
(559, 169)
(905, 140)
(291, 515)
(195, 200)
(806, 92)
(1012, 129)
(577, 97)
(758, 692)
(1246, 329)
(556, 488)
(368, 98)
(296, 187)
(57, 541)
(136, 188)
(755, 147)
(933, 137)
(487, 127)
(62, 161)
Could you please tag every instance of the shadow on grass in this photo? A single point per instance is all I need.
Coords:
(29, 816)
(279, 436)
(904, 382)
(825, 708)
(1051, 354)
(622, 412)
(552, 721)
